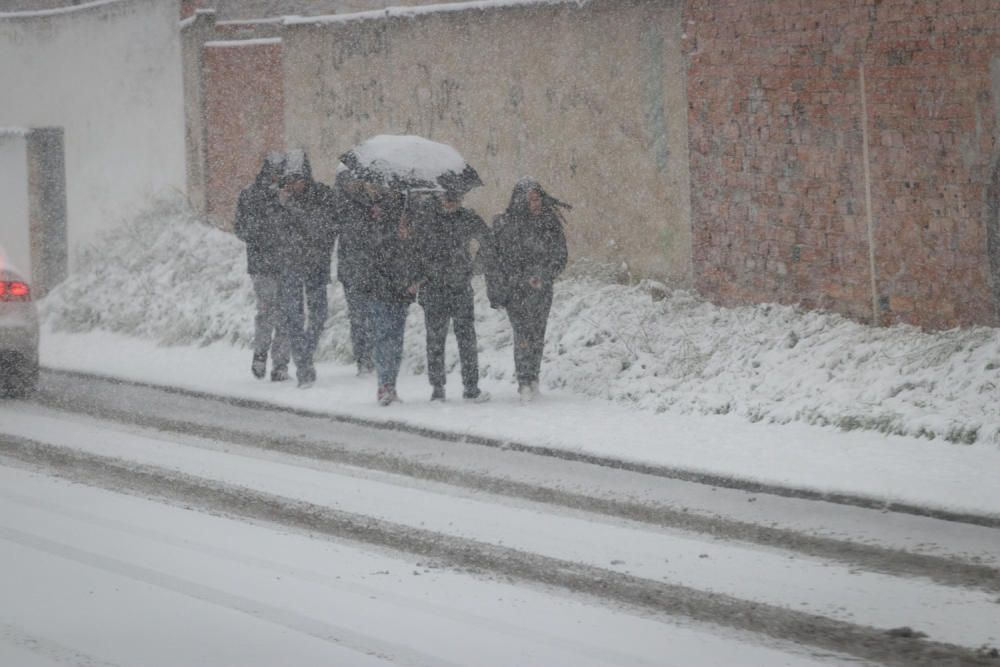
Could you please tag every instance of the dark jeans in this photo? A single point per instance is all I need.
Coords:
(457, 308)
(388, 325)
(270, 331)
(303, 300)
(359, 311)
(528, 310)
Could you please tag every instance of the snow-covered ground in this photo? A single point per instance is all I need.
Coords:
(768, 393)
(97, 577)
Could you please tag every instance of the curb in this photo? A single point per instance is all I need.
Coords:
(681, 474)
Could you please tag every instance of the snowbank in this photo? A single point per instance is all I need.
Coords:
(167, 276)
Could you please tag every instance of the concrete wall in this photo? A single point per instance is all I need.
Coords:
(33, 230)
(109, 73)
(47, 208)
(588, 99)
(787, 145)
(195, 31)
(15, 238)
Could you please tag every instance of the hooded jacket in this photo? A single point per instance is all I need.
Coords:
(525, 245)
(307, 223)
(448, 247)
(256, 218)
(393, 269)
(355, 235)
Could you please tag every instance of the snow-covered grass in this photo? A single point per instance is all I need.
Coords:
(167, 276)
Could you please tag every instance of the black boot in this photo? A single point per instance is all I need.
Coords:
(259, 365)
(307, 377)
(437, 393)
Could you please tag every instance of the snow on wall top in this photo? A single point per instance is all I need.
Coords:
(424, 9)
(194, 17)
(238, 22)
(14, 131)
(244, 42)
(42, 13)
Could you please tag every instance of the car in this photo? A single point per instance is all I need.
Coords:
(18, 335)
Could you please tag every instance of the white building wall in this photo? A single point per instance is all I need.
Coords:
(109, 73)
(15, 247)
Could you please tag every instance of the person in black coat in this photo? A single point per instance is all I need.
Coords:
(307, 214)
(354, 256)
(450, 238)
(391, 287)
(529, 252)
(257, 213)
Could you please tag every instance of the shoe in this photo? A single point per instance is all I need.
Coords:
(524, 392)
(476, 395)
(279, 374)
(365, 368)
(259, 366)
(387, 395)
(535, 393)
(437, 394)
(307, 377)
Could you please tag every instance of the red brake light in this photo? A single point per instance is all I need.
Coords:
(14, 290)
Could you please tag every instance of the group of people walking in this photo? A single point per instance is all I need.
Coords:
(393, 249)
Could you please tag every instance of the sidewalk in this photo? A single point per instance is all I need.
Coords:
(875, 469)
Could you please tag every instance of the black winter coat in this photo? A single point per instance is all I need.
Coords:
(450, 247)
(307, 225)
(394, 267)
(355, 241)
(258, 226)
(524, 246)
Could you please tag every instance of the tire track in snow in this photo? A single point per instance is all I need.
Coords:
(148, 481)
(873, 558)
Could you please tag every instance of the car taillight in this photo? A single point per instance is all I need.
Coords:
(14, 290)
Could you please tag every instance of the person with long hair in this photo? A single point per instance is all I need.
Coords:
(529, 252)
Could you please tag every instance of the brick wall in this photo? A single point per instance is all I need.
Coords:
(778, 155)
(244, 117)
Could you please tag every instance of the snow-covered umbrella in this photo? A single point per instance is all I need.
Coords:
(409, 162)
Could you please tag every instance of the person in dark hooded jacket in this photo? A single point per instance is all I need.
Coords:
(354, 253)
(392, 285)
(257, 213)
(307, 214)
(450, 238)
(529, 252)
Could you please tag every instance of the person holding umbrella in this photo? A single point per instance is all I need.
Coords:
(529, 252)
(392, 286)
(450, 239)
(395, 168)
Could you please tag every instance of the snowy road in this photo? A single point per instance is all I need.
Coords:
(398, 549)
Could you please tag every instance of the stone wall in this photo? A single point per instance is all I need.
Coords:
(845, 155)
(588, 99)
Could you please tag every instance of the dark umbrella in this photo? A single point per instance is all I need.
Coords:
(407, 162)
